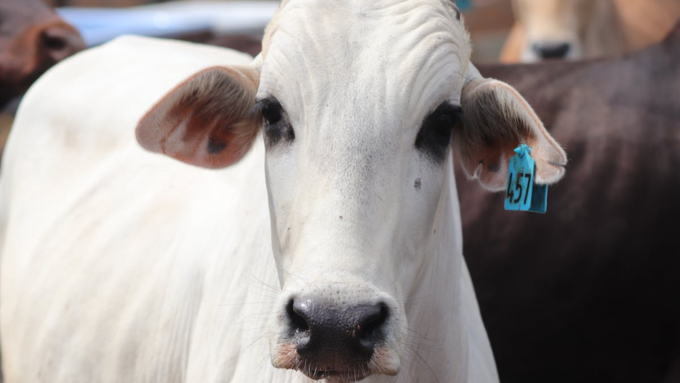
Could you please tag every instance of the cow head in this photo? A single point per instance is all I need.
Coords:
(361, 104)
(557, 28)
(32, 39)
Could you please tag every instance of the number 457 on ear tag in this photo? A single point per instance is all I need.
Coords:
(522, 193)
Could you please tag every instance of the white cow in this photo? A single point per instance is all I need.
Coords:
(329, 246)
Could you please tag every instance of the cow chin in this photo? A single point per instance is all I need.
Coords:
(384, 361)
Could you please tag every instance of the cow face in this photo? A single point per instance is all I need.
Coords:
(554, 28)
(361, 104)
(32, 39)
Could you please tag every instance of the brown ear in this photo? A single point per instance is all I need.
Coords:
(208, 120)
(496, 119)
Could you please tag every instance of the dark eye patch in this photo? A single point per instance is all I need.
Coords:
(434, 136)
(277, 128)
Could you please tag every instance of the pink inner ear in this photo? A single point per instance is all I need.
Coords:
(206, 139)
(489, 165)
(206, 121)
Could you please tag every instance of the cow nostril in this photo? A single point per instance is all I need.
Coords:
(59, 41)
(551, 50)
(372, 323)
(54, 43)
(297, 317)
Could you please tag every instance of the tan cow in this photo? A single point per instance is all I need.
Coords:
(575, 29)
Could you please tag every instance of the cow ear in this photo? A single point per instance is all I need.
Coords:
(208, 120)
(496, 119)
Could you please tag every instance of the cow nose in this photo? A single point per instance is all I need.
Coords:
(551, 50)
(60, 41)
(328, 336)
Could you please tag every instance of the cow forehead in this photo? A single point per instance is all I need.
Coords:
(407, 52)
(365, 21)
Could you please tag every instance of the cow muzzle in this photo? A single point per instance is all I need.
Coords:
(340, 342)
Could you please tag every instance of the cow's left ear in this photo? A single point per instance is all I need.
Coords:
(208, 120)
(496, 119)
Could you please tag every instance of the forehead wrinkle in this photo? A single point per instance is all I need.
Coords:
(431, 36)
(272, 80)
(366, 56)
(321, 67)
(298, 38)
(432, 88)
(431, 67)
(310, 10)
(298, 61)
(428, 58)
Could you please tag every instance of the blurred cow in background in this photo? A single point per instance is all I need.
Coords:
(589, 292)
(575, 29)
(32, 39)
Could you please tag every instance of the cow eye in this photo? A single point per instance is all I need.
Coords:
(276, 126)
(434, 136)
(271, 111)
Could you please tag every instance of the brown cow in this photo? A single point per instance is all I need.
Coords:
(576, 29)
(32, 39)
(589, 292)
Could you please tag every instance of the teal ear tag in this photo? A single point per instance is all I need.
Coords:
(464, 5)
(522, 193)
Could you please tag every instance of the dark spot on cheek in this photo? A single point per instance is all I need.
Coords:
(417, 184)
(457, 14)
(215, 147)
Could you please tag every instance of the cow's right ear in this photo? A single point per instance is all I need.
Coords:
(208, 120)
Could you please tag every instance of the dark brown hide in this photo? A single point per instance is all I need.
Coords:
(32, 39)
(590, 292)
